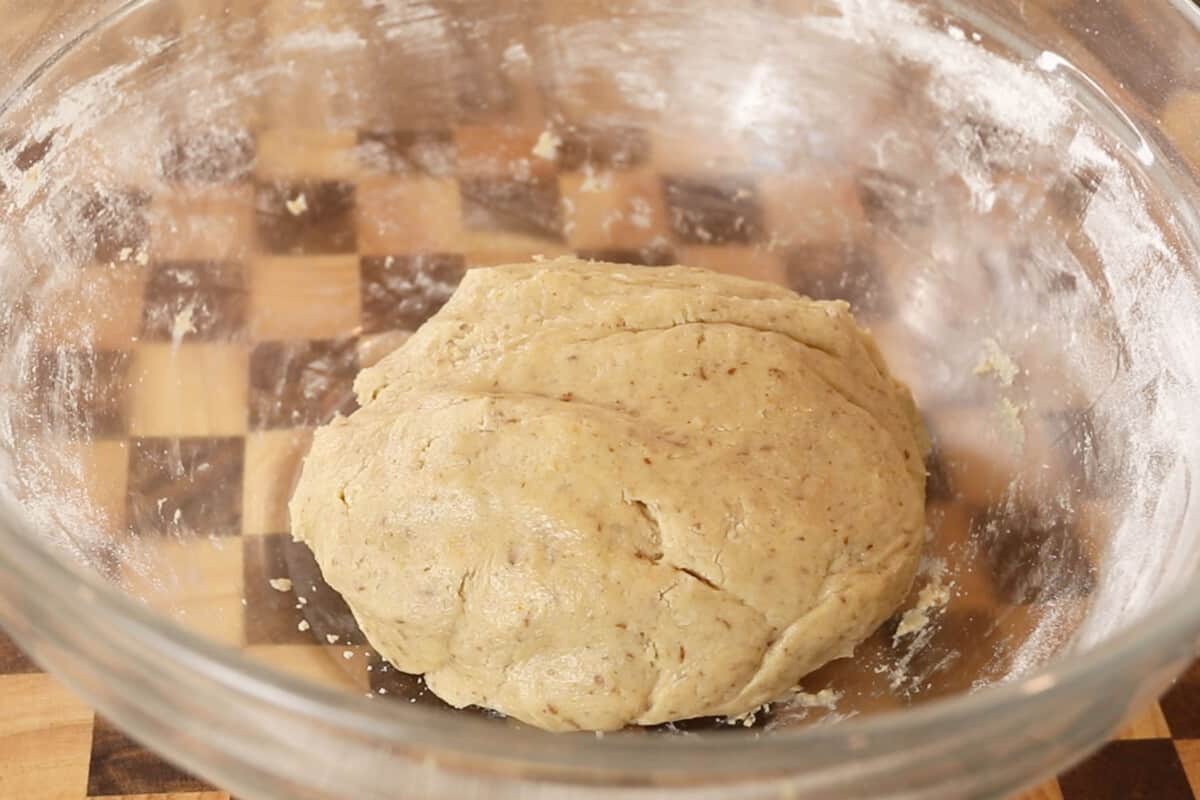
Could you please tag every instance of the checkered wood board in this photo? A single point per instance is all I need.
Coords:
(231, 293)
(53, 747)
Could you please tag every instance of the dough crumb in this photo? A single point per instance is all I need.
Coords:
(184, 323)
(281, 584)
(748, 719)
(332, 638)
(297, 206)
(303, 626)
(933, 595)
(826, 698)
(1010, 418)
(997, 363)
(547, 145)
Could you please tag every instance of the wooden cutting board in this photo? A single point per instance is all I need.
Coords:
(53, 747)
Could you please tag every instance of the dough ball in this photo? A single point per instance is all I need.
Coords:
(589, 495)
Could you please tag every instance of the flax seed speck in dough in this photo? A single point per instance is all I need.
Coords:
(589, 495)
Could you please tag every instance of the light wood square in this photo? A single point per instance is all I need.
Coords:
(99, 307)
(301, 94)
(745, 262)
(313, 153)
(1150, 724)
(1049, 790)
(202, 223)
(1189, 754)
(803, 208)
(188, 390)
(171, 796)
(104, 477)
(196, 580)
(491, 248)
(373, 348)
(504, 150)
(312, 297)
(320, 664)
(697, 152)
(273, 460)
(607, 208)
(45, 739)
(403, 215)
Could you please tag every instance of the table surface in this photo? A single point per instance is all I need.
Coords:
(54, 747)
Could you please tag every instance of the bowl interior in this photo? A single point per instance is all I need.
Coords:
(211, 219)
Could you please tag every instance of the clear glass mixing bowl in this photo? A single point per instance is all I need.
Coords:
(213, 213)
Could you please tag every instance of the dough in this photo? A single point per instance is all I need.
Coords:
(589, 495)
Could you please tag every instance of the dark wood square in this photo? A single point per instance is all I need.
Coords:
(12, 660)
(1069, 196)
(713, 210)
(483, 88)
(301, 383)
(840, 270)
(190, 484)
(203, 299)
(79, 393)
(401, 292)
(120, 766)
(937, 478)
(1140, 769)
(427, 152)
(1181, 705)
(531, 207)
(306, 217)
(1077, 441)
(614, 147)
(28, 153)
(1032, 558)
(892, 201)
(402, 687)
(215, 155)
(272, 616)
(117, 224)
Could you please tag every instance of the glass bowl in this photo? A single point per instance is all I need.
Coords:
(212, 214)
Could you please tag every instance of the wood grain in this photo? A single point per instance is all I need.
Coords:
(1047, 791)
(1189, 756)
(121, 767)
(45, 735)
